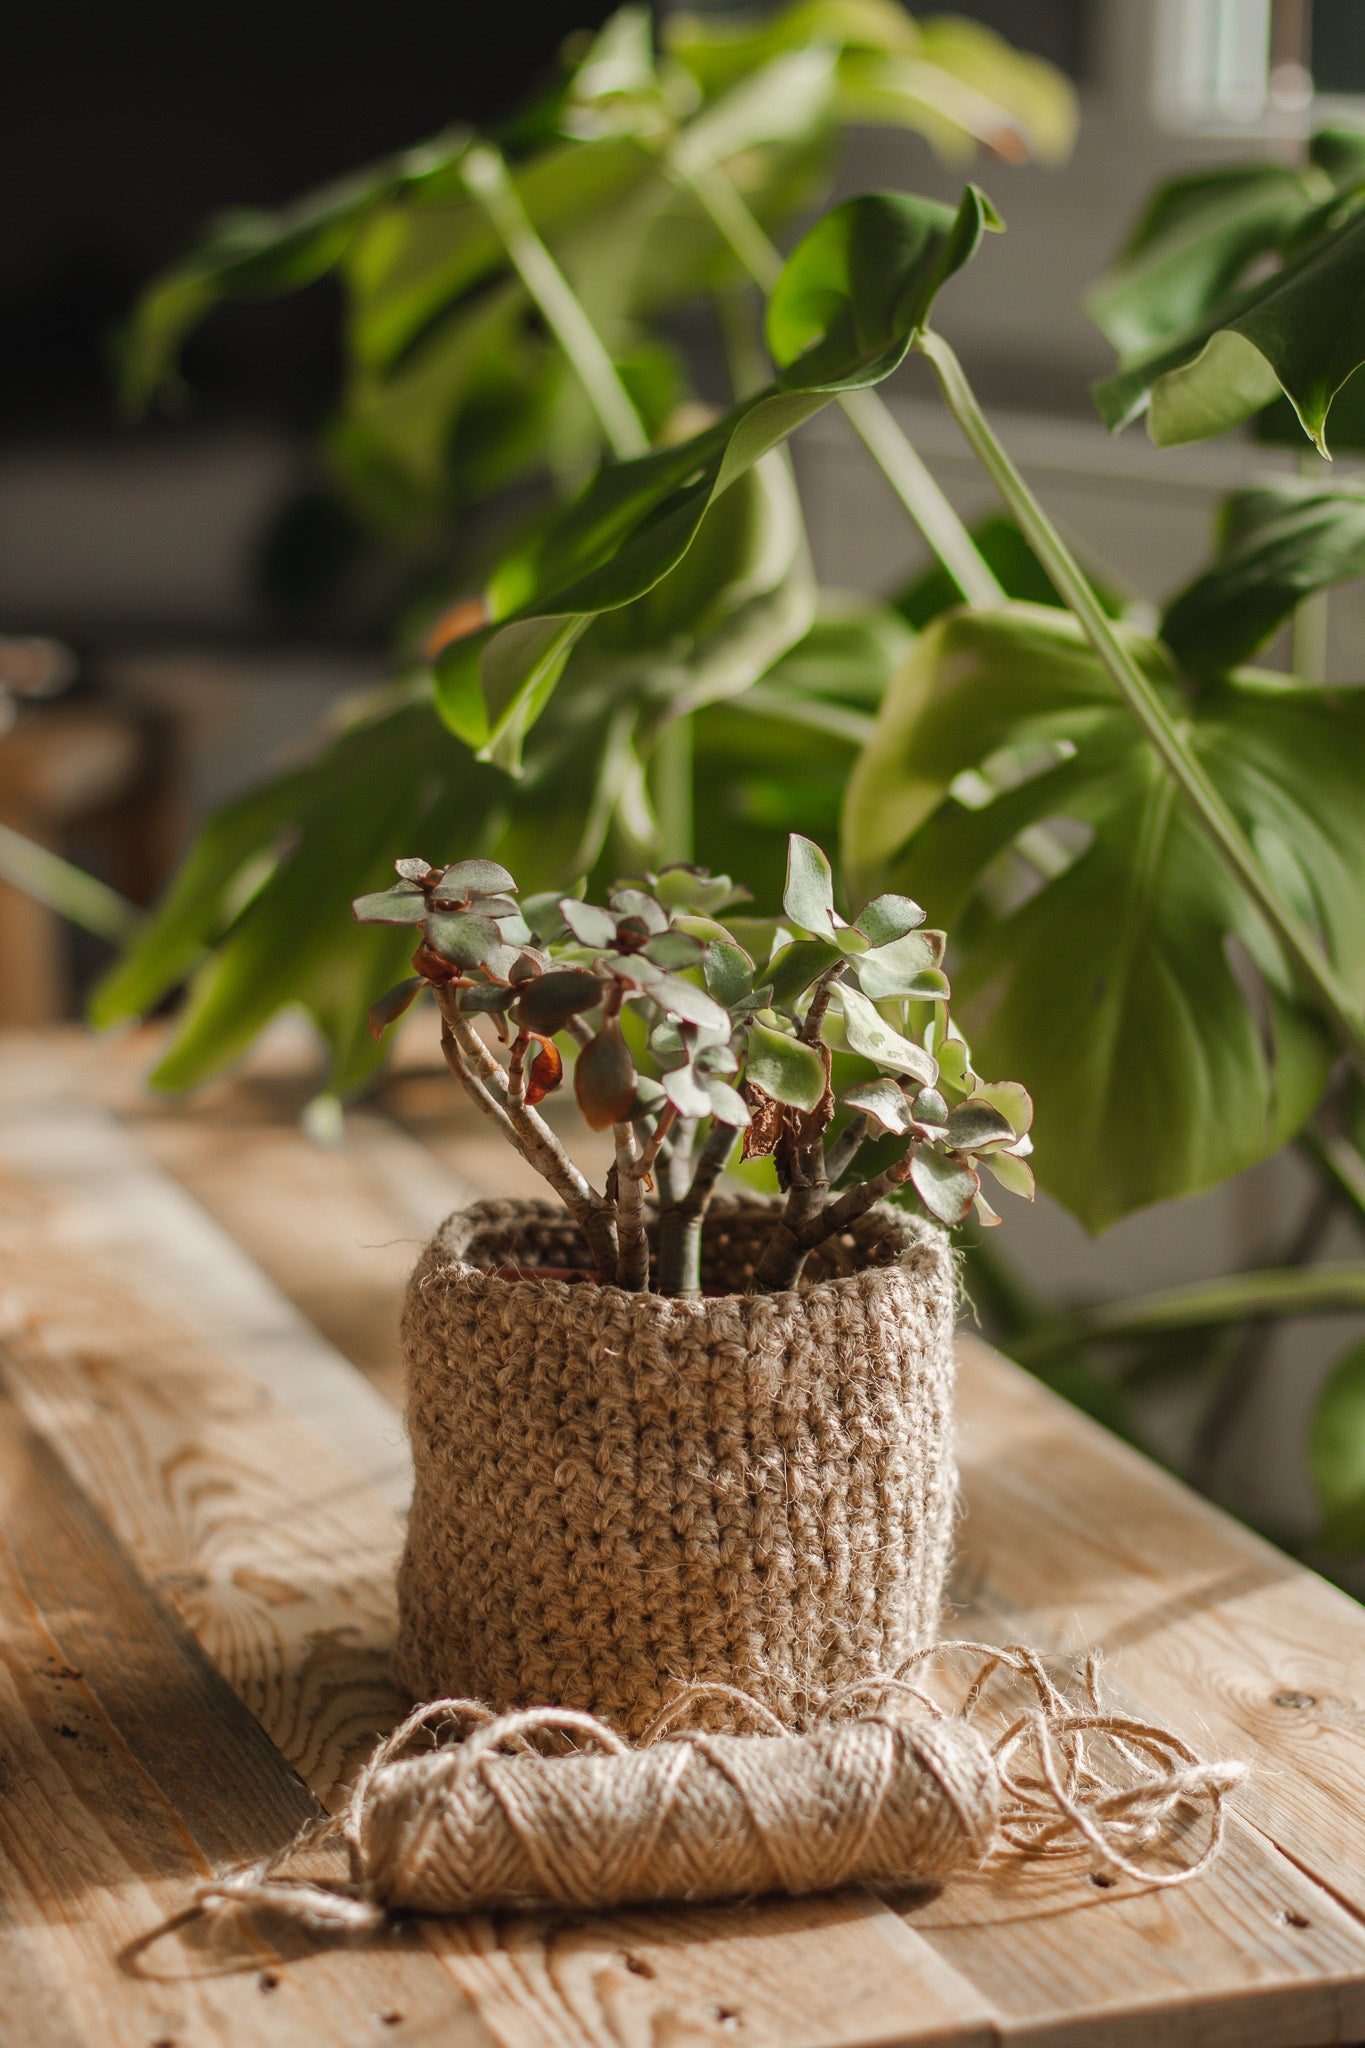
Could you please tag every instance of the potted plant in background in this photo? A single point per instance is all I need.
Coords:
(1152, 856)
(707, 1435)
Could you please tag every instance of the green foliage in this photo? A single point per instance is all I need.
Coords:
(1012, 562)
(453, 388)
(1204, 339)
(724, 1040)
(1274, 545)
(860, 284)
(1007, 786)
(949, 79)
(842, 316)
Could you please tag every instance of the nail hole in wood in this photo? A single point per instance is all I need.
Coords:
(1099, 1878)
(267, 1981)
(1291, 1919)
(638, 1966)
(390, 2019)
(724, 2016)
(1293, 1699)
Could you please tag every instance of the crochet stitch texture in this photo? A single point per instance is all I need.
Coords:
(618, 1492)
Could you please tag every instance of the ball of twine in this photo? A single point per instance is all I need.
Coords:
(905, 1792)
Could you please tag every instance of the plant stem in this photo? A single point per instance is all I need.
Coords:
(681, 1224)
(632, 1255)
(789, 1246)
(1143, 701)
(483, 1079)
(673, 1174)
(60, 886)
(919, 491)
(872, 420)
(673, 792)
(802, 1162)
(656, 1141)
(845, 1148)
(486, 179)
(1236, 1298)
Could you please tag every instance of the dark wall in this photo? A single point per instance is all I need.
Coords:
(125, 125)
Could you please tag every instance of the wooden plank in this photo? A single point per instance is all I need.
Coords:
(1205, 1627)
(131, 1770)
(1253, 1955)
(258, 1536)
(115, 1209)
(786, 1973)
(336, 1227)
(1242, 1971)
(276, 1553)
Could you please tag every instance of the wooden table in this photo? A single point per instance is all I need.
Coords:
(202, 1478)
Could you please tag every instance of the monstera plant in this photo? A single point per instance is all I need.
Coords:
(507, 322)
(1152, 853)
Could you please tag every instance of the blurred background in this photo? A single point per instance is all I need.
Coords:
(172, 558)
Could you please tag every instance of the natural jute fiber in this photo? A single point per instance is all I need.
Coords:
(619, 1492)
(487, 1820)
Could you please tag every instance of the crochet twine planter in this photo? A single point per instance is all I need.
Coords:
(616, 1492)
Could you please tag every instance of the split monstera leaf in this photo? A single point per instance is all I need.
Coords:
(1008, 785)
(1239, 285)
(827, 1043)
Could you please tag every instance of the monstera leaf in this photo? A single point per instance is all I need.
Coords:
(1193, 244)
(1205, 341)
(1275, 545)
(843, 314)
(1105, 949)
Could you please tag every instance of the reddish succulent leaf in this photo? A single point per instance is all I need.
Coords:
(945, 1185)
(486, 996)
(545, 1073)
(390, 1007)
(546, 1003)
(432, 967)
(466, 878)
(604, 1079)
(461, 938)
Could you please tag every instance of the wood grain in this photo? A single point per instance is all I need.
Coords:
(130, 1769)
(114, 1210)
(1235, 1646)
(1068, 1538)
(277, 1558)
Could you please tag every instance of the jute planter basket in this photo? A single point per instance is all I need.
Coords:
(617, 1491)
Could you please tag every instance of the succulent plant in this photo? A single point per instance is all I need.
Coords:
(692, 1028)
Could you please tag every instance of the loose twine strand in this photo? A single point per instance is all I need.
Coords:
(549, 1806)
